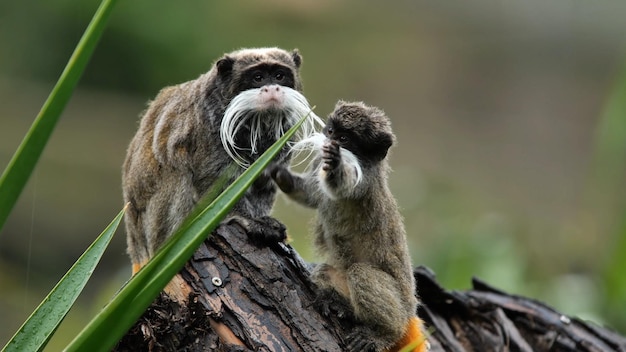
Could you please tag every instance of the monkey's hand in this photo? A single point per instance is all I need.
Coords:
(331, 156)
(264, 230)
(331, 304)
(302, 190)
(283, 178)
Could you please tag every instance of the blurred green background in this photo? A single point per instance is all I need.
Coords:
(510, 160)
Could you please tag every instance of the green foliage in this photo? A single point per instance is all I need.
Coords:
(119, 315)
(43, 322)
(124, 309)
(610, 144)
(34, 334)
(23, 163)
(609, 168)
(457, 225)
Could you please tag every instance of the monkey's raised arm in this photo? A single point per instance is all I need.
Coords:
(303, 190)
(341, 172)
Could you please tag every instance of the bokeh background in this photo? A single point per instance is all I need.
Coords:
(509, 163)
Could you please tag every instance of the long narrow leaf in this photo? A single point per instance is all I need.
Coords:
(610, 141)
(110, 325)
(22, 164)
(39, 327)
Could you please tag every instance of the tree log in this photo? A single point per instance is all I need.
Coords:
(235, 296)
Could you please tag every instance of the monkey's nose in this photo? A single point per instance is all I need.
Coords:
(270, 88)
(271, 96)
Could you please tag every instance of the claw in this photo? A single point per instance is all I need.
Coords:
(330, 303)
(363, 338)
(262, 231)
(331, 155)
(283, 178)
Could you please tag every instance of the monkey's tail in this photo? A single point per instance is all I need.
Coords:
(413, 335)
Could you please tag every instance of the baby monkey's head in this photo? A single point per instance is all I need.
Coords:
(362, 133)
(363, 130)
(263, 89)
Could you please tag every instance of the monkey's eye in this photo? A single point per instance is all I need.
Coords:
(279, 75)
(343, 139)
(329, 131)
(258, 77)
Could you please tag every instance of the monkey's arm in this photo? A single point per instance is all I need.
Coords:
(173, 135)
(371, 298)
(302, 189)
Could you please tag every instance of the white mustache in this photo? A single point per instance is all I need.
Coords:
(249, 111)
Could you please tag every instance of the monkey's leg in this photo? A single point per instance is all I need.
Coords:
(163, 213)
(377, 303)
(332, 292)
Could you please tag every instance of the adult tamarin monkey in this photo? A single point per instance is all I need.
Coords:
(192, 131)
(368, 273)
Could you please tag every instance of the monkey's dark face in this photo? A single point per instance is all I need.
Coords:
(255, 68)
(361, 129)
(266, 74)
(262, 89)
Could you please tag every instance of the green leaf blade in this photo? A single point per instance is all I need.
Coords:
(43, 322)
(23, 162)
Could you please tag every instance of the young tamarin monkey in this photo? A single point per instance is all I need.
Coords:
(368, 273)
(191, 132)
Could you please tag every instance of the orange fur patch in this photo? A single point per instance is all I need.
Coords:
(413, 334)
(137, 267)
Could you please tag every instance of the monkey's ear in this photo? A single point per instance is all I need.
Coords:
(383, 142)
(297, 59)
(225, 65)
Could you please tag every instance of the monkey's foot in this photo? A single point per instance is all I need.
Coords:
(363, 338)
(331, 304)
(262, 231)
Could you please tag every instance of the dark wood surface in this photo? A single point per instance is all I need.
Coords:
(260, 299)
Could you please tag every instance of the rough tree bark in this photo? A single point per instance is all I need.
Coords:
(234, 296)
